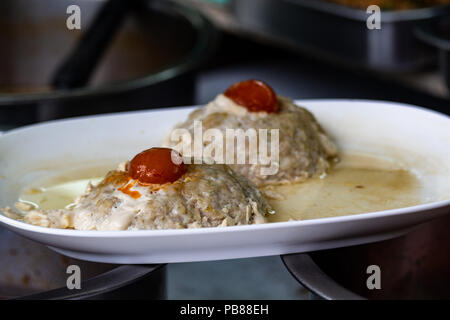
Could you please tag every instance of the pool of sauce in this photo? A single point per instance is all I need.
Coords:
(357, 184)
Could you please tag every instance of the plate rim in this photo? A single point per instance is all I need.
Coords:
(208, 230)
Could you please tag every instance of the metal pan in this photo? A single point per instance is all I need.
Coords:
(32, 271)
(151, 61)
(415, 266)
(340, 34)
(437, 34)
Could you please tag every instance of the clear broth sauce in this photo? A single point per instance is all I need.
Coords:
(357, 184)
(62, 190)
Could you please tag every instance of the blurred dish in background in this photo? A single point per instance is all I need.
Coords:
(150, 62)
(339, 34)
(437, 34)
(392, 4)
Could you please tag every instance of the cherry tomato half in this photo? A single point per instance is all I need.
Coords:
(157, 165)
(254, 95)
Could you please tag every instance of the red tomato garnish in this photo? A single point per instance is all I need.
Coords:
(157, 165)
(254, 95)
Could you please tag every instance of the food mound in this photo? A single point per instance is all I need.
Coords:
(305, 149)
(156, 190)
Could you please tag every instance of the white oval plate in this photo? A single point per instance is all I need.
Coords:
(418, 138)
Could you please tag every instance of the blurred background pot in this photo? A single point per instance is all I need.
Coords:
(151, 61)
(437, 34)
(340, 34)
(33, 271)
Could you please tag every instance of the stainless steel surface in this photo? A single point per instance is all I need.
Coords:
(427, 81)
(76, 69)
(305, 270)
(437, 34)
(32, 271)
(262, 278)
(415, 266)
(149, 63)
(340, 34)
